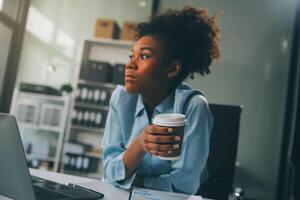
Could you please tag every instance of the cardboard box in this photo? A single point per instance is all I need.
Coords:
(106, 28)
(128, 30)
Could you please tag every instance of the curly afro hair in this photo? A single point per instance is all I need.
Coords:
(190, 36)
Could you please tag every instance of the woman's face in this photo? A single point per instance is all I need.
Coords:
(146, 71)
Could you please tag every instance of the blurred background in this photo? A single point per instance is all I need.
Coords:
(75, 50)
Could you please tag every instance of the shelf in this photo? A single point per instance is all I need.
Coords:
(88, 154)
(92, 106)
(39, 127)
(32, 157)
(97, 83)
(102, 50)
(86, 128)
(93, 155)
(42, 96)
(93, 40)
(42, 117)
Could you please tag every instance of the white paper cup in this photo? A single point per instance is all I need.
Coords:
(177, 122)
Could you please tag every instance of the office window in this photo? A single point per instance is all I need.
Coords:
(5, 37)
(1, 4)
(9, 7)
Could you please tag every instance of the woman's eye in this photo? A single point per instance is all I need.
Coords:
(144, 56)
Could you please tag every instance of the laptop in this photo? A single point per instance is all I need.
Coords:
(15, 180)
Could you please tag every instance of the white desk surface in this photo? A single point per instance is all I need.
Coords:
(110, 192)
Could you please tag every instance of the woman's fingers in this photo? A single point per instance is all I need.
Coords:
(161, 147)
(153, 129)
(160, 153)
(161, 139)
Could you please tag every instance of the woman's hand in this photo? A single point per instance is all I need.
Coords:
(158, 140)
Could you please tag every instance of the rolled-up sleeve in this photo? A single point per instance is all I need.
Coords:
(187, 172)
(114, 149)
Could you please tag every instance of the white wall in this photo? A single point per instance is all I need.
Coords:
(253, 72)
(71, 19)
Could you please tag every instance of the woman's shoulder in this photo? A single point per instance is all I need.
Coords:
(118, 91)
(186, 92)
(187, 97)
(121, 96)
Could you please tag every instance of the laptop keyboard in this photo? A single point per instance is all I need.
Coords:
(46, 194)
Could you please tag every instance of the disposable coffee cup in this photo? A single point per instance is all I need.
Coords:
(178, 123)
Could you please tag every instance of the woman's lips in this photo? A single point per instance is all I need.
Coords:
(129, 77)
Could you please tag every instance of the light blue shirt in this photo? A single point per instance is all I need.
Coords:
(126, 120)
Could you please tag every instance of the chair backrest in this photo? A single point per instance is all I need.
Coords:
(223, 151)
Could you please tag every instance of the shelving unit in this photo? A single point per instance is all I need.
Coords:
(42, 122)
(101, 68)
(81, 128)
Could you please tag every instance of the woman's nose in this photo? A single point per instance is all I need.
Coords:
(131, 65)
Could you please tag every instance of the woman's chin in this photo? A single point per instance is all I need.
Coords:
(130, 89)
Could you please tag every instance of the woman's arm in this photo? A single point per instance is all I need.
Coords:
(188, 171)
(120, 163)
(155, 140)
(114, 145)
(132, 157)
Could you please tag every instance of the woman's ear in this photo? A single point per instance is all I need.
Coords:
(174, 68)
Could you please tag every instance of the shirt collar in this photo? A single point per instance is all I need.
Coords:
(139, 106)
(165, 105)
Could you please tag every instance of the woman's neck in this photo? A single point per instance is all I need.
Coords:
(154, 99)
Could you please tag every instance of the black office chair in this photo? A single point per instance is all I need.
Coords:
(223, 151)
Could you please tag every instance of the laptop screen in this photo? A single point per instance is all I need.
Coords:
(15, 181)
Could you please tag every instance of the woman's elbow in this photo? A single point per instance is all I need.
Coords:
(187, 187)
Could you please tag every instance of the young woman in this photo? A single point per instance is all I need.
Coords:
(168, 49)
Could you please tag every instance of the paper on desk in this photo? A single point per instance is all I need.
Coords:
(147, 194)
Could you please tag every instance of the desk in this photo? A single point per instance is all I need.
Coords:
(110, 192)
